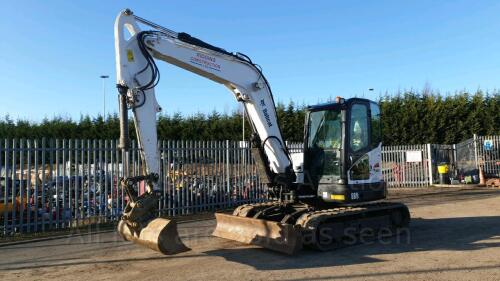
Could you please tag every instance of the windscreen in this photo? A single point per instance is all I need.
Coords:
(324, 142)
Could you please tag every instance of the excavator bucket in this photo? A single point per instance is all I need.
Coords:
(159, 235)
(276, 236)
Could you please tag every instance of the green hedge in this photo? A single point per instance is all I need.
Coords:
(408, 118)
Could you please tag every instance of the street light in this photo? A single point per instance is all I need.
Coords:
(243, 142)
(103, 77)
(369, 90)
(243, 115)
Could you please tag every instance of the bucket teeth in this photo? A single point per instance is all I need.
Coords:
(159, 235)
(272, 235)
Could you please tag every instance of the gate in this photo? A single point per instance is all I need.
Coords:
(488, 154)
(441, 154)
(405, 165)
(466, 158)
(478, 151)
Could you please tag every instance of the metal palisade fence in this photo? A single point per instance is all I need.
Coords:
(488, 154)
(405, 165)
(53, 184)
(416, 165)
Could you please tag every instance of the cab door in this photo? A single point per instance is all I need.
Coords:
(364, 143)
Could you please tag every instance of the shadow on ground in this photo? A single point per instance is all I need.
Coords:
(415, 198)
(455, 234)
(78, 261)
(404, 273)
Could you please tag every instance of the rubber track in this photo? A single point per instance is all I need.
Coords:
(311, 220)
(243, 210)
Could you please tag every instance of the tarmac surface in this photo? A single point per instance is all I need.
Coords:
(454, 235)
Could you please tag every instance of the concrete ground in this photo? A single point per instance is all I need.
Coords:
(454, 235)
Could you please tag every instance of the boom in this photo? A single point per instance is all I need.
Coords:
(137, 74)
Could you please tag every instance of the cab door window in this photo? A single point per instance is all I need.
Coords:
(359, 128)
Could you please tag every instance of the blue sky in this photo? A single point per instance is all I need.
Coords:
(53, 52)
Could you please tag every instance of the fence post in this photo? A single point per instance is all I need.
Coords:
(429, 164)
(475, 151)
(228, 184)
(6, 187)
(454, 158)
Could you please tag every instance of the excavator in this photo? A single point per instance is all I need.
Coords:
(322, 198)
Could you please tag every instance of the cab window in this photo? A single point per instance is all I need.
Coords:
(361, 169)
(324, 129)
(376, 135)
(359, 127)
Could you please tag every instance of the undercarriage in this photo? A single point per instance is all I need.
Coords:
(288, 227)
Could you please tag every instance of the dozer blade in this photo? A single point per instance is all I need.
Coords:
(159, 235)
(268, 234)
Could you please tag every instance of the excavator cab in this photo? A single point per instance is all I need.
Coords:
(342, 151)
(340, 166)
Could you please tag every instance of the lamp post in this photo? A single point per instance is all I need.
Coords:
(243, 143)
(369, 90)
(243, 115)
(104, 77)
